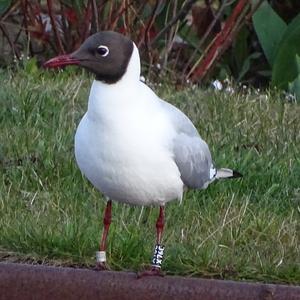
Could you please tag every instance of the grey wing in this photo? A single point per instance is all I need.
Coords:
(191, 153)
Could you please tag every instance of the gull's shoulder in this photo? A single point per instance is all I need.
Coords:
(179, 120)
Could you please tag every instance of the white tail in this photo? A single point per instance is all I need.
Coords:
(227, 173)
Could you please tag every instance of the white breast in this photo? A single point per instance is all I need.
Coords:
(123, 146)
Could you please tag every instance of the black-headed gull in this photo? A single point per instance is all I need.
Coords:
(130, 144)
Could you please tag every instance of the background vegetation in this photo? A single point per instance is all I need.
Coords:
(239, 229)
(251, 41)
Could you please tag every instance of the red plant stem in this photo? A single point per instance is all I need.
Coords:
(204, 37)
(122, 10)
(24, 6)
(111, 9)
(9, 11)
(87, 21)
(150, 23)
(180, 15)
(126, 21)
(11, 44)
(94, 5)
(218, 46)
(119, 14)
(54, 26)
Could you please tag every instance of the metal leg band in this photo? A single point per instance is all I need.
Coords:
(101, 256)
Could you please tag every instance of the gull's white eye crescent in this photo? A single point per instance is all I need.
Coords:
(102, 50)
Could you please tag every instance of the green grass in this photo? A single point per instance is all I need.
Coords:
(242, 229)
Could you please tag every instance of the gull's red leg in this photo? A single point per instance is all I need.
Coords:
(101, 254)
(159, 249)
(160, 223)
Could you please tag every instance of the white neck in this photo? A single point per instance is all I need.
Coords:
(133, 71)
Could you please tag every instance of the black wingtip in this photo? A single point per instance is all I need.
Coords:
(236, 174)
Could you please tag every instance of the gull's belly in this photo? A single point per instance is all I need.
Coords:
(127, 169)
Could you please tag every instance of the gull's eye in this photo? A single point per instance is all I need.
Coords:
(103, 50)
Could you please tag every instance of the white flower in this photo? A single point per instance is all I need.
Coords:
(217, 85)
(229, 90)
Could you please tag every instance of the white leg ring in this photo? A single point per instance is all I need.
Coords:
(101, 256)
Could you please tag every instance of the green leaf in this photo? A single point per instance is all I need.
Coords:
(284, 69)
(189, 35)
(269, 28)
(241, 47)
(247, 64)
(265, 73)
(30, 66)
(294, 87)
(4, 5)
(298, 63)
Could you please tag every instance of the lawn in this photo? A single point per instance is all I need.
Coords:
(236, 229)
